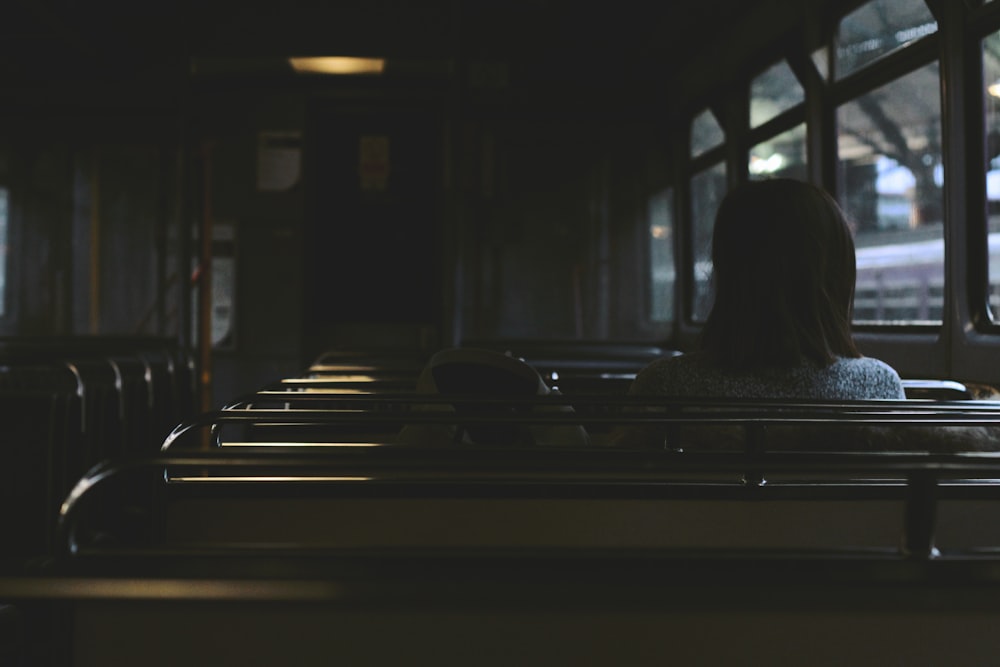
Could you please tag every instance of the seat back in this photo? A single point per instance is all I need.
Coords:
(472, 372)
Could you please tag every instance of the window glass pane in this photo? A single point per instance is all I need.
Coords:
(223, 288)
(781, 156)
(774, 91)
(891, 175)
(877, 28)
(821, 60)
(661, 256)
(991, 81)
(706, 133)
(707, 190)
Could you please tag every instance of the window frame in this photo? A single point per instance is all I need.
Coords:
(981, 22)
(967, 341)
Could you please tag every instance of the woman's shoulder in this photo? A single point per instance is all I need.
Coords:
(865, 365)
(876, 378)
(663, 375)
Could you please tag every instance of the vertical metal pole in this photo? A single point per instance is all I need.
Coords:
(602, 255)
(205, 282)
(920, 516)
(94, 318)
(186, 174)
(966, 294)
(162, 222)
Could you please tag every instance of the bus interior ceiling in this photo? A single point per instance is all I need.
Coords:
(495, 179)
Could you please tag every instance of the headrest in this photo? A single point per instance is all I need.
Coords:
(472, 372)
(478, 372)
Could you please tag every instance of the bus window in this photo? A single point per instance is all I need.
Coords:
(991, 82)
(708, 187)
(878, 28)
(781, 156)
(891, 176)
(774, 91)
(661, 256)
(706, 133)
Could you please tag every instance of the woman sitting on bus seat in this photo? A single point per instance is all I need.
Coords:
(780, 326)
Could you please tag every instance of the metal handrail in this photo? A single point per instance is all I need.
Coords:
(921, 481)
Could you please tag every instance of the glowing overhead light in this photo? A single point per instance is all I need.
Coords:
(994, 88)
(338, 65)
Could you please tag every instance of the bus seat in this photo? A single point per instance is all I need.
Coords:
(466, 373)
(938, 390)
(484, 373)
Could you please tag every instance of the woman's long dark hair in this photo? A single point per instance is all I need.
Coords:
(784, 272)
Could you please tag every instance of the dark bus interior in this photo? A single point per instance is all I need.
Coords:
(525, 138)
(302, 366)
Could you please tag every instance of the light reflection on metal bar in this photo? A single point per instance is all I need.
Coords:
(301, 444)
(268, 478)
(333, 391)
(969, 482)
(159, 589)
(332, 379)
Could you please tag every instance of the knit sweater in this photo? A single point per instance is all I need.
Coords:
(695, 376)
